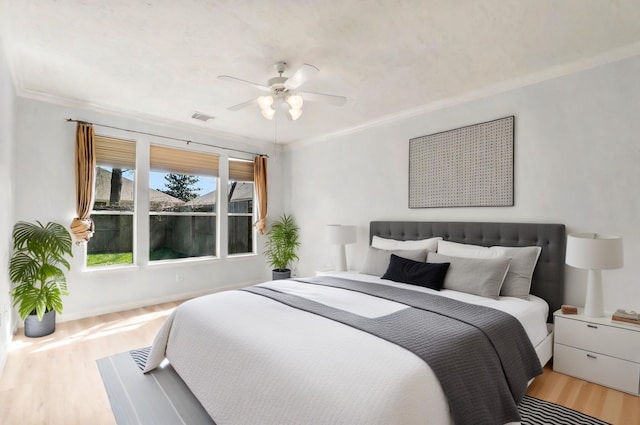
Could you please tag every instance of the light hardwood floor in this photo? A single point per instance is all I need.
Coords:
(54, 380)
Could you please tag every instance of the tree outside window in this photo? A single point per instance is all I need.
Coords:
(182, 212)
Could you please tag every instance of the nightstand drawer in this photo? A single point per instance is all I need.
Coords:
(598, 338)
(611, 372)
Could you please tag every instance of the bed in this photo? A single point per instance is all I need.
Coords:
(264, 356)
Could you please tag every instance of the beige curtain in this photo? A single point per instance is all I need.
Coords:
(260, 181)
(82, 225)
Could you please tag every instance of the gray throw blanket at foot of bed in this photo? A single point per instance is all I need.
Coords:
(482, 357)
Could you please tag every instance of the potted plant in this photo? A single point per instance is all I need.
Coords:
(36, 269)
(282, 243)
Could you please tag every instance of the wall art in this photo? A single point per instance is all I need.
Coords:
(470, 166)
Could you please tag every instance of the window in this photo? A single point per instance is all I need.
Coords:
(240, 194)
(114, 206)
(182, 204)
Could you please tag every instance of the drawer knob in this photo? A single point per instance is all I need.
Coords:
(591, 356)
(592, 326)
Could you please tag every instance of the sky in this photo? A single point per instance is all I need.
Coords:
(157, 181)
(206, 184)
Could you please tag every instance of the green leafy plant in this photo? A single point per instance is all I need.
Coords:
(282, 243)
(36, 267)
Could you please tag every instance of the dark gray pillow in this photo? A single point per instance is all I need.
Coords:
(377, 260)
(428, 275)
(476, 276)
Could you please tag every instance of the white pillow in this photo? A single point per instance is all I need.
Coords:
(430, 244)
(523, 262)
(455, 249)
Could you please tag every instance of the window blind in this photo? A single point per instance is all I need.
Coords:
(240, 170)
(180, 161)
(116, 153)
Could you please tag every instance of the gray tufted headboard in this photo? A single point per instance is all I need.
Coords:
(548, 277)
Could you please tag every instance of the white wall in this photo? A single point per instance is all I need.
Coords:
(576, 161)
(7, 99)
(44, 188)
(577, 156)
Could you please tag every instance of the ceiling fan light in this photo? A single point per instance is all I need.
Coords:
(265, 102)
(295, 101)
(268, 113)
(295, 113)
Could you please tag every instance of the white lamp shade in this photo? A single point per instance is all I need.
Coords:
(341, 235)
(295, 114)
(265, 102)
(594, 251)
(295, 101)
(268, 113)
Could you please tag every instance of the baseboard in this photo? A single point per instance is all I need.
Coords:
(4, 349)
(146, 302)
(3, 360)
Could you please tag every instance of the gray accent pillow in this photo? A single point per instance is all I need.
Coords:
(377, 261)
(523, 262)
(476, 276)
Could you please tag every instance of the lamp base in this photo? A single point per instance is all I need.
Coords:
(594, 306)
(341, 259)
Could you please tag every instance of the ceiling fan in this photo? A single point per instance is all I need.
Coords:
(283, 90)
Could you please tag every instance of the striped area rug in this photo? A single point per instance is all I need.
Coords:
(162, 398)
(534, 411)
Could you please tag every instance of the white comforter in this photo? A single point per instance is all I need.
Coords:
(252, 360)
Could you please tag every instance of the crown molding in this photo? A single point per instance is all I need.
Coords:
(552, 73)
(139, 116)
(584, 64)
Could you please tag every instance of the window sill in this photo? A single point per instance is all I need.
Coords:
(235, 257)
(183, 261)
(114, 268)
(168, 263)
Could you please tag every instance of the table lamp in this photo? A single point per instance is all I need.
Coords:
(594, 252)
(340, 236)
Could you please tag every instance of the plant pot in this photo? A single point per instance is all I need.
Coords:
(34, 328)
(280, 274)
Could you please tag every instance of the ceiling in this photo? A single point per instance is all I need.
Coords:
(158, 59)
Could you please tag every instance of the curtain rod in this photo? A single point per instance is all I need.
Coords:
(166, 137)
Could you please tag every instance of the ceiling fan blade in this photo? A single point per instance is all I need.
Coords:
(301, 76)
(321, 97)
(241, 81)
(241, 105)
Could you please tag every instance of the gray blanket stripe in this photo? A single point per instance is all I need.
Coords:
(504, 331)
(471, 375)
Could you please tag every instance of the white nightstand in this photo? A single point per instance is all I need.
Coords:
(598, 349)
